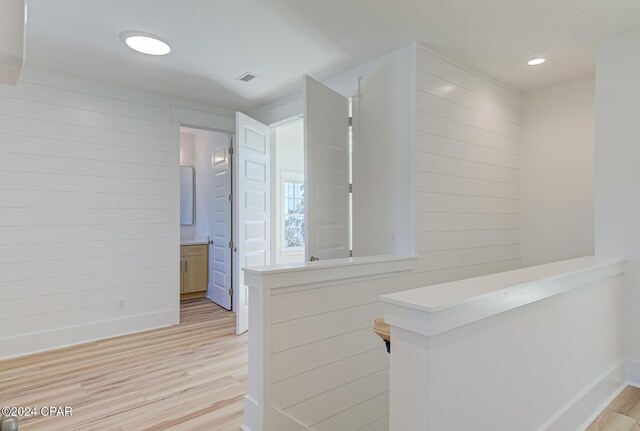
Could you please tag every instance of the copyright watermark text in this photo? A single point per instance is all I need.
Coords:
(30, 411)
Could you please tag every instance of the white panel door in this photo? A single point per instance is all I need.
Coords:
(253, 206)
(326, 146)
(219, 251)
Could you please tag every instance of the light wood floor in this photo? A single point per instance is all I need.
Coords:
(189, 377)
(623, 414)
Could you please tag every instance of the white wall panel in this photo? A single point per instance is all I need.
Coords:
(334, 402)
(468, 169)
(311, 356)
(88, 210)
(434, 241)
(431, 84)
(443, 107)
(381, 424)
(76, 250)
(433, 144)
(49, 93)
(65, 267)
(304, 386)
(352, 418)
(17, 126)
(444, 165)
(617, 162)
(84, 151)
(452, 222)
(67, 182)
(25, 325)
(454, 129)
(81, 200)
(444, 202)
(81, 233)
(558, 172)
(154, 274)
(467, 186)
(54, 113)
(287, 335)
(460, 76)
(438, 260)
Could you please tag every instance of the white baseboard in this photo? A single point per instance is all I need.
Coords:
(59, 338)
(633, 372)
(256, 419)
(280, 421)
(587, 406)
(253, 415)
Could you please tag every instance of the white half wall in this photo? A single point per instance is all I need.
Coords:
(89, 209)
(314, 361)
(617, 167)
(534, 349)
(558, 132)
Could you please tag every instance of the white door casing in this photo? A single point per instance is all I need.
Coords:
(219, 251)
(326, 146)
(253, 203)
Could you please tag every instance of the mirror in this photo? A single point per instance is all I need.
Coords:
(187, 195)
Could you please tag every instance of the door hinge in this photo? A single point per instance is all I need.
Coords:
(350, 121)
(231, 151)
(230, 244)
(350, 188)
(230, 197)
(231, 291)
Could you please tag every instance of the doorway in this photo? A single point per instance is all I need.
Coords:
(287, 189)
(304, 210)
(205, 216)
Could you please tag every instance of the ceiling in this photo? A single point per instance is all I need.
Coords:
(216, 41)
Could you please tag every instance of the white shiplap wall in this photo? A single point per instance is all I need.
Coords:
(327, 370)
(88, 209)
(468, 169)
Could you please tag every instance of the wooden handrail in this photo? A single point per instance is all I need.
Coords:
(383, 330)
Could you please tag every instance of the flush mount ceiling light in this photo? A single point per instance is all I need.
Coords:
(536, 61)
(146, 43)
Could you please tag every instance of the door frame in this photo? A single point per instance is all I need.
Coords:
(281, 112)
(201, 121)
(274, 182)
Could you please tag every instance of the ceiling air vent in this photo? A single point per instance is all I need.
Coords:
(247, 77)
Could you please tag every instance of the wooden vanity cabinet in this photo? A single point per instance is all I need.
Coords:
(194, 270)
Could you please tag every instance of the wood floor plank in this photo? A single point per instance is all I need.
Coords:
(622, 414)
(612, 421)
(626, 400)
(188, 377)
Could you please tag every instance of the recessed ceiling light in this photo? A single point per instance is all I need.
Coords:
(536, 61)
(146, 43)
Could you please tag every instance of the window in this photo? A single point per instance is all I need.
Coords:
(293, 229)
